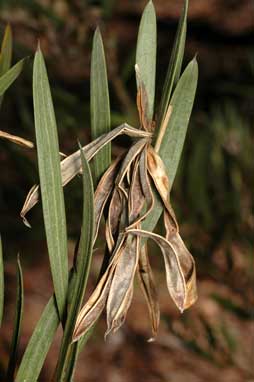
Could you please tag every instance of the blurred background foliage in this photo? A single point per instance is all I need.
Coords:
(212, 194)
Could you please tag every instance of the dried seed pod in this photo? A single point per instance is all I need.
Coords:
(146, 279)
(131, 201)
(121, 288)
(96, 303)
(71, 165)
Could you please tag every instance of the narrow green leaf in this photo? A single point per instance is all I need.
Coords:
(10, 76)
(41, 340)
(182, 103)
(146, 54)
(175, 63)
(6, 51)
(67, 358)
(39, 344)
(17, 324)
(173, 140)
(50, 180)
(100, 107)
(70, 366)
(1, 282)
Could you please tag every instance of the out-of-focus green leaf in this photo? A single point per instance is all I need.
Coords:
(68, 350)
(6, 51)
(10, 76)
(17, 324)
(233, 307)
(100, 108)
(197, 191)
(50, 181)
(175, 63)
(1, 282)
(173, 140)
(39, 344)
(146, 54)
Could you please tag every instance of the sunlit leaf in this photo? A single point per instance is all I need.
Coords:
(17, 324)
(146, 54)
(100, 108)
(50, 180)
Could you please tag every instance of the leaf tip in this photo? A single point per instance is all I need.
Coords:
(8, 28)
(97, 34)
(194, 60)
(150, 3)
(79, 145)
(38, 49)
(97, 30)
(150, 6)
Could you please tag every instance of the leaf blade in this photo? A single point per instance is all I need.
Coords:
(100, 105)
(50, 180)
(172, 143)
(17, 323)
(39, 344)
(175, 63)
(146, 54)
(10, 76)
(6, 51)
(182, 103)
(68, 349)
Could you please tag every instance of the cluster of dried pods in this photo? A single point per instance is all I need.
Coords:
(125, 197)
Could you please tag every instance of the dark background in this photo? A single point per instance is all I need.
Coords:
(212, 194)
